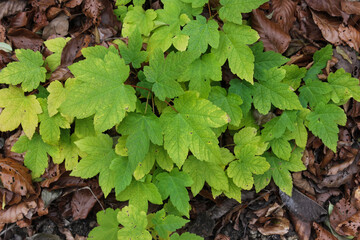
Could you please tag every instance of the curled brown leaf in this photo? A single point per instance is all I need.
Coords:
(332, 7)
(284, 13)
(350, 7)
(322, 233)
(272, 35)
(328, 26)
(350, 35)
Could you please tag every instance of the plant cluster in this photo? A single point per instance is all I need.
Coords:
(170, 107)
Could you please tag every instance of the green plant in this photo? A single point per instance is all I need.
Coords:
(169, 123)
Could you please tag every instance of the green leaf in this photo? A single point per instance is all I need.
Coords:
(190, 128)
(231, 9)
(18, 109)
(108, 225)
(174, 184)
(315, 92)
(300, 133)
(343, 87)
(50, 126)
(279, 171)
(132, 52)
(162, 157)
(247, 138)
(281, 148)
(164, 72)
(165, 225)
(233, 46)
(98, 51)
(68, 150)
(214, 175)
(137, 17)
(230, 103)
(321, 58)
(185, 236)
(141, 130)
(27, 70)
(99, 156)
(201, 72)
(266, 60)
(55, 45)
(123, 170)
(276, 127)
(202, 33)
(100, 91)
(244, 90)
(139, 193)
(293, 76)
(271, 90)
(196, 3)
(323, 123)
(36, 157)
(134, 222)
(56, 97)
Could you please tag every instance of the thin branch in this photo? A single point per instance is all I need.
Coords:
(147, 102)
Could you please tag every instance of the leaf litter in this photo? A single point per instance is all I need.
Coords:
(294, 28)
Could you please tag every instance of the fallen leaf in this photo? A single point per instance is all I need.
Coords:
(350, 35)
(92, 9)
(328, 26)
(341, 212)
(24, 38)
(272, 35)
(58, 27)
(8, 8)
(73, 3)
(350, 227)
(322, 233)
(9, 143)
(302, 228)
(15, 177)
(350, 7)
(332, 7)
(20, 20)
(18, 212)
(275, 225)
(11, 198)
(284, 13)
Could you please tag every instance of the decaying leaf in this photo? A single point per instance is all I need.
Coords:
(322, 233)
(284, 13)
(329, 27)
(15, 177)
(18, 212)
(271, 33)
(341, 212)
(332, 7)
(350, 35)
(275, 225)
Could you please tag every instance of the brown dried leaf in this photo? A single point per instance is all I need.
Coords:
(11, 198)
(18, 212)
(272, 35)
(93, 9)
(15, 177)
(332, 7)
(322, 233)
(83, 200)
(355, 200)
(8, 8)
(341, 212)
(42, 5)
(350, 227)
(20, 20)
(24, 38)
(9, 143)
(276, 225)
(73, 3)
(284, 13)
(51, 175)
(340, 167)
(58, 27)
(350, 7)
(328, 26)
(302, 183)
(350, 35)
(302, 228)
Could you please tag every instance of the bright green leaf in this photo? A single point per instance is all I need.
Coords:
(164, 224)
(244, 90)
(315, 92)
(276, 127)
(18, 109)
(36, 157)
(190, 128)
(185, 236)
(137, 17)
(281, 148)
(196, 3)
(68, 150)
(123, 170)
(174, 184)
(323, 123)
(27, 70)
(100, 91)
(233, 46)
(214, 175)
(293, 76)
(321, 58)
(55, 45)
(108, 225)
(231, 9)
(139, 193)
(134, 221)
(343, 87)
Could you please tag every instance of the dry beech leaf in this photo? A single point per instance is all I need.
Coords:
(11, 198)
(275, 225)
(350, 7)
(302, 228)
(322, 233)
(58, 27)
(15, 177)
(9, 143)
(284, 13)
(18, 212)
(272, 35)
(340, 167)
(350, 227)
(93, 9)
(341, 212)
(8, 8)
(350, 35)
(332, 7)
(73, 3)
(328, 27)
(24, 38)
(356, 198)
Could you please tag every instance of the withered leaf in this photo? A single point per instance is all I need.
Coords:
(18, 212)
(328, 26)
(322, 233)
(284, 13)
(351, 226)
(350, 7)
(341, 212)
(332, 7)
(303, 207)
(15, 177)
(24, 38)
(350, 35)
(58, 27)
(275, 225)
(272, 35)
(8, 8)
(93, 9)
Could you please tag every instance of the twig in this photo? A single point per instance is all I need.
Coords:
(88, 188)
